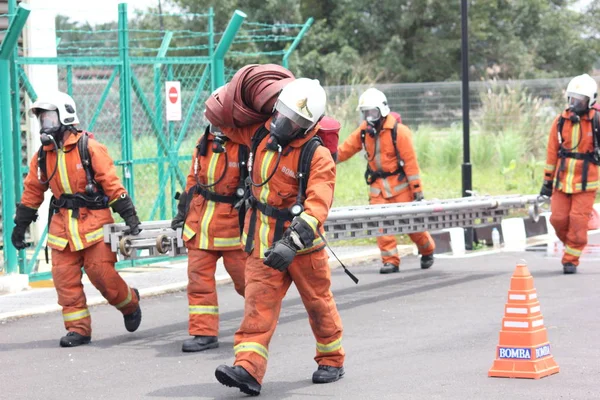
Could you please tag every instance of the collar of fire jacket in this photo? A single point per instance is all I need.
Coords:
(299, 142)
(566, 113)
(71, 141)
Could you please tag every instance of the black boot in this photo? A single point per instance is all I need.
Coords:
(133, 320)
(426, 261)
(238, 377)
(569, 268)
(389, 268)
(73, 339)
(327, 374)
(199, 343)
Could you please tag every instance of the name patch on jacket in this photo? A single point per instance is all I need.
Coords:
(234, 164)
(288, 171)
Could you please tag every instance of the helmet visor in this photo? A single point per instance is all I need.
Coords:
(371, 114)
(578, 103)
(49, 121)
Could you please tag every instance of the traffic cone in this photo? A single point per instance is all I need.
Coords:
(523, 350)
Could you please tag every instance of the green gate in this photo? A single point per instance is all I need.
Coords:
(117, 77)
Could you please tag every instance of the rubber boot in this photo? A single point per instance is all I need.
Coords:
(73, 339)
(199, 343)
(133, 320)
(238, 377)
(389, 268)
(426, 261)
(569, 268)
(327, 374)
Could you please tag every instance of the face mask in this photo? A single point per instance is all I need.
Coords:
(578, 104)
(282, 131)
(50, 125)
(372, 115)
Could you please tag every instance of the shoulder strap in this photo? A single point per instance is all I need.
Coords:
(42, 161)
(559, 127)
(243, 160)
(258, 136)
(395, 143)
(596, 128)
(306, 156)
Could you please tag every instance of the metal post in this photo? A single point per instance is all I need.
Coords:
(162, 52)
(218, 60)
(126, 121)
(296, 42)
(7, 134)
(70, 80)
(211, 42)
(467, 183)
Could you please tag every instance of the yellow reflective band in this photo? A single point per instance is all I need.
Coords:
(590, 185)
(550, 167)
(376, 191)
(210, 205)
(62, 171)
(264, 197)
(572, 251)
(95, 235)
(336, 345)
(198, 310)
(401, 186)
(227, 242)
(316, 243)
(310, 220)
(188, 233)
(426, 245)
(254, 347)
(77, 315)
(126, 301)
(208, 214)
(57, 241)
(413, 177)
(74, 231)
(389, 253)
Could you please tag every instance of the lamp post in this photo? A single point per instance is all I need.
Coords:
(467, 173)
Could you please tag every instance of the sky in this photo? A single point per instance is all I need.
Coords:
(106, 10)
(97, 11)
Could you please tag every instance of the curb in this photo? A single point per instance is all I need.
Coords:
(221, 279)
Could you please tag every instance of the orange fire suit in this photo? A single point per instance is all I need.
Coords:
(77, 240)
(211, 231)
(381, 156)
(266, 287)
(572, 203)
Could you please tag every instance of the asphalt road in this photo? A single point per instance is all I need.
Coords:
(414, 335)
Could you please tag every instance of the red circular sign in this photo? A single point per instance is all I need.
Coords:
(173, 94)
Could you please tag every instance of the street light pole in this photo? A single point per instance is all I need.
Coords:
(467, 180)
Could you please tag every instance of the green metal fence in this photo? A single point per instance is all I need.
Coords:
(117, 77)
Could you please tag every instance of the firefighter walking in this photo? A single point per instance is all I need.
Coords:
(282, 234)
(392, 170)
(571, 171)
(208, 213)
(84, 183)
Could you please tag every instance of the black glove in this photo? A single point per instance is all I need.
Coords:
(546, 189)
(18, 237)
(418, 196)
(281, 254)
(125, 208)
(23, 217)
(182, 209)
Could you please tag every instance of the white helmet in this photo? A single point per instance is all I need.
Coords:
(371, 99)
(302, 101)
(59, 101)
(583, 86)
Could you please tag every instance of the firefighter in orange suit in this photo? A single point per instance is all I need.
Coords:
(392, 171)
(284, 238)
(571, 172)
(208, 214)
(79, 209)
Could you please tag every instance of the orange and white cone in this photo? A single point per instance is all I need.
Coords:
(523, 350)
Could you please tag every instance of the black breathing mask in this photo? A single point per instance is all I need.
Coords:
(578, 104)
(282, 132)
(51, 129)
